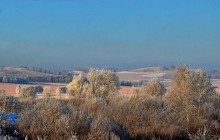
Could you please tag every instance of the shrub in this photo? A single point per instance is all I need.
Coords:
(10, 104)
(138, 116)
(154, 88)
(100, 129)
(94, 106)
(2, 91)
(51, 119)
(26, 91)
(76, 86)
(61, 90)
(47, 91)
(39, 89)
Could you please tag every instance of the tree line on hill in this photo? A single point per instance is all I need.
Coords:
(133, 84)
(25, 80)
(49, 77)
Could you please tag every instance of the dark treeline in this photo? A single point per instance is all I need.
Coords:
(57, 79)
(133, 84)
(25, 80)
(64, 72)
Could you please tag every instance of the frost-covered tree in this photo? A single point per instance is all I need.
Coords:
(180, 89)
(76, 86)
(154, 88)
(201, 91)
(189, 94)
(26, 91)
(102, 82)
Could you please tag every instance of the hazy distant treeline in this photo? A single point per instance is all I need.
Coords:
(25, 80)
(133, 84)
(44, 76)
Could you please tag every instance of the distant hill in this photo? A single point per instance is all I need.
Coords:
(31, 74)
(145, 74)
(21, 72)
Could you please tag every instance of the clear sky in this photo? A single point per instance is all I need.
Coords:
(66, 34)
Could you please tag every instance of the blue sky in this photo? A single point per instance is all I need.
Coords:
(67, 34)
